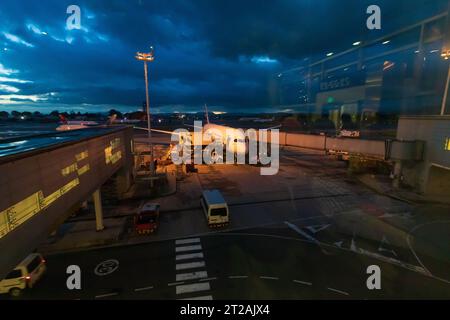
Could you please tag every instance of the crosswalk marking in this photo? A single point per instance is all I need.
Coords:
(189, 252)
(192, 275)
(190, 265)
(188, 248)
(186, 241)
(195, 287)
(189, 256)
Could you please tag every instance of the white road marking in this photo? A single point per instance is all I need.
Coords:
(269, 278)
(385, 241)
(199, 298)
(190, 265)
(186, 241)
(143, 288)
(339, 291)
(189, 256)
(188, 248)
(208, 279)
(317, 228)
(303, 282)
(238, 277)
(195, 287)
(392, 261)
(106, 295)
(174, 284)
(191, 275)
(299, 231)
(408, 240)
(339, 244)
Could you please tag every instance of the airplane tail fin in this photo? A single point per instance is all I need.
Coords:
(111, 119)
(206, 113)
(62, 118)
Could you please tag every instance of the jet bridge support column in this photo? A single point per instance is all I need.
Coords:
(398, 171)
(98, 210)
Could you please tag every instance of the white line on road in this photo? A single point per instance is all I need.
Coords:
(339, 291)
(186, 241)
(106, 295)
(190, 265)
(188, 248)
(191, 275)
(237, 277)
(143, 288)
(202, 286)
(208, 279)
(269, 278)
(303, 282)
(174, 284)
(199, 298)
(299, 231)
(189, 256)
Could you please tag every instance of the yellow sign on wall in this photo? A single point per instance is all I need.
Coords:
(20, 212)
(111, 157)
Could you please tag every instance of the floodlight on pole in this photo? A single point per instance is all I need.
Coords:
(148, 57)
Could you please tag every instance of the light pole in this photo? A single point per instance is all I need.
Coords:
(446, 55)
(148, 57)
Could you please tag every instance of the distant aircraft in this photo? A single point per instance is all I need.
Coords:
(66, 125)
(260, 120)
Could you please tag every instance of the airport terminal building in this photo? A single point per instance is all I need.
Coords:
(403, 73)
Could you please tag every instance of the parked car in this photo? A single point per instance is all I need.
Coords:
(25, 275)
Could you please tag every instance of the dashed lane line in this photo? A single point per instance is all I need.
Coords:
(339, 291)
(199, 298)
(191, 275)
(143, 288)
(174, 284)
(106, 295)
(208, 279)
(269, 278)
(303, 282)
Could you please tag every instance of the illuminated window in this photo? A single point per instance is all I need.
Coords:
(447, 144)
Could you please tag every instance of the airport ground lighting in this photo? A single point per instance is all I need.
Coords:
(148, 57)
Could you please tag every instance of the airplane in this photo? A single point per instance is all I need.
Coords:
(231, 137)
(66, 125)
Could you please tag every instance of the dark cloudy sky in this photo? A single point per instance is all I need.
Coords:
(223, 53)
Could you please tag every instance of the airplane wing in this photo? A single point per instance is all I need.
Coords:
(157, 130)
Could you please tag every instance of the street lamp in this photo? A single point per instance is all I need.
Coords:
(446, 55)
(148, 57)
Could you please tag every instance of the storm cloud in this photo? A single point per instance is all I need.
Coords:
(223, 53)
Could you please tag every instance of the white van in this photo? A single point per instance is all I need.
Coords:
(24, 275)
(215, 208)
